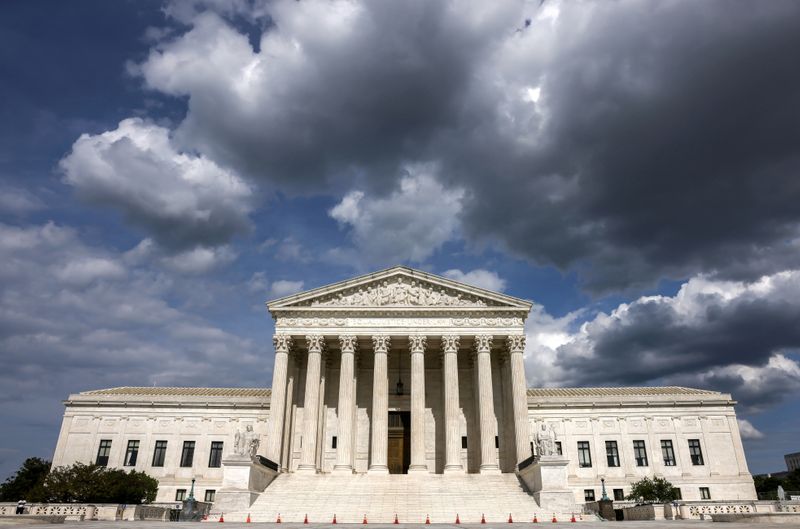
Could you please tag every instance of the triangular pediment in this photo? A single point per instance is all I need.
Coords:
(399, 287)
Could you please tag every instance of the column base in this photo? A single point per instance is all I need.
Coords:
(489, 469)
(378, 469)
(342, 470)
(306, 469)
(418, 469)
(453, 469)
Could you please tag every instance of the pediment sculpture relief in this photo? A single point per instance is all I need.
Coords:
(398, 292)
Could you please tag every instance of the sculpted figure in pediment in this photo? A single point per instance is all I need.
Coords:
(398, 292)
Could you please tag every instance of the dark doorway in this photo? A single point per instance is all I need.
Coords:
(399, 442)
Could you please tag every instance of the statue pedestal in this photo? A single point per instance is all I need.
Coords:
(243, 479)
(546, 478)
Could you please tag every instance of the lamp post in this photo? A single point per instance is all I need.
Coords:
(191, 491)
(604, 496)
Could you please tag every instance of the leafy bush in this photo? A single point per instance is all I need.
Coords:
(656, 490)
(36, 482)
(90, 483)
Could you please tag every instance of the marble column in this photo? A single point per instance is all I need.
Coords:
(289, 415)
(380, 406)
(519, 396)
(452, 425)
(417, 347)
(487, 426)
(344, 450)
(282, 343)
(323, 370)
(308, 464)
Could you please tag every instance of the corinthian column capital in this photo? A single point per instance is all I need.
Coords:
(417, 343)
(349, 343)
(450, 343)
(515, 343)
(316, 343)
(483, 343)
(381, 343)
(282, 342)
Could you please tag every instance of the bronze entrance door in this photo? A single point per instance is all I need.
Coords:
(399, 442)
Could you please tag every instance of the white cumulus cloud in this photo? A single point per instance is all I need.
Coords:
(181, 200)
(409, 224)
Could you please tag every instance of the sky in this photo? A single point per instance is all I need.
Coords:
(630, 167)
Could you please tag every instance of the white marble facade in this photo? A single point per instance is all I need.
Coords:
(340, 352)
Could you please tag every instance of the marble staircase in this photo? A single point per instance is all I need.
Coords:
(411, 497)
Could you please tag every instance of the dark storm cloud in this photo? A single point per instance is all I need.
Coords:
(728, 336)
(670, 141)
(627, 141)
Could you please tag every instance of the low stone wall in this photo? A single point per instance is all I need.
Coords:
(88, 511)
(789, 518)
(644, 512)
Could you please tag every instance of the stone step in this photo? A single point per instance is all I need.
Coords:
(411, 497)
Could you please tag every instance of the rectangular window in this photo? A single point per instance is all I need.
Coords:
(705, 493)
(667, 453)
(210, 495)
(333, 442)
(496, 441)
(180, 494)
(187, 455)
(677, 492)
(640, 453)
(103, 453)
(588, 494)
(558, 448)
(612, 454)
(131, 454)
(584, 454)
(160, 453)
(464, 443)
(215, 457)
(619, 495)
(695, 451)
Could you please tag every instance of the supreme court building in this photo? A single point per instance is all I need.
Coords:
(393, 389)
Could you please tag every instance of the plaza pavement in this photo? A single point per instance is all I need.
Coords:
(671, 524)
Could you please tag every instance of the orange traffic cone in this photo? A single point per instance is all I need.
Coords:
(483, 518)
(554, 518)
(396, 521)
(573, 518)
(535, 519)
(427, 520)
(221, 519)
(510, 520)
(305, 520)
(364, 521)
(248, 518)
(279, 518)
(334, 518)
(458, 521)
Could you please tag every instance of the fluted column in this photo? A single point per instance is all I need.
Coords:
(282, 343)
(344, 450)
(380, 406)
(483, 347)
(417, 346)
(316, 343)
(452, 430)
(519, 395)
(286, 451)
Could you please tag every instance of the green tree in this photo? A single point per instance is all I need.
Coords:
(27, 482)
(768, 485)
(656, 490)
